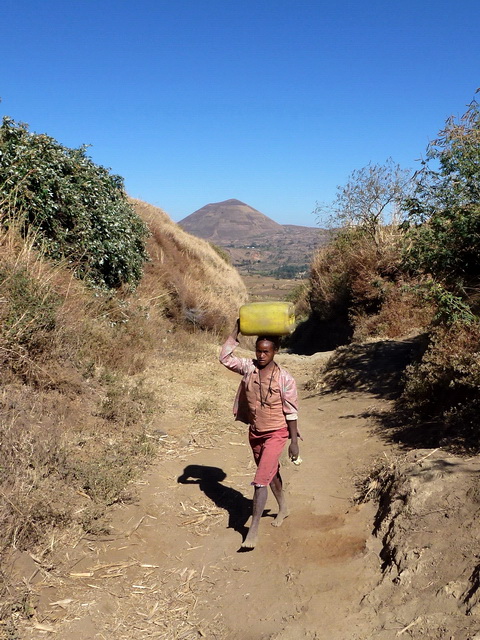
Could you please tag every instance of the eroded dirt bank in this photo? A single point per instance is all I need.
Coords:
(428, 522)
(171, 568)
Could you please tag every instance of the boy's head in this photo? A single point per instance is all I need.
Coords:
(265, 349)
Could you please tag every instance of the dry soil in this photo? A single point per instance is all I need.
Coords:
(171, 566)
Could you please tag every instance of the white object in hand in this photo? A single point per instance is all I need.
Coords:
(297, 461)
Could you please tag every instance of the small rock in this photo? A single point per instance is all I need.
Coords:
(455, 590)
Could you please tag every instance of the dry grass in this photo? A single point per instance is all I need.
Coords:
(360, 286)
(150, 600)
(441, 394)
(201, 289)
(401, 313)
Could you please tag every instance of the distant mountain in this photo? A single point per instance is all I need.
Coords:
(229, 221)
(255, 242)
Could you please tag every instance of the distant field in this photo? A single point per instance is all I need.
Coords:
(268, 288)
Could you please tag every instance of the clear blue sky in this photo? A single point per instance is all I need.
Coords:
(271, 102)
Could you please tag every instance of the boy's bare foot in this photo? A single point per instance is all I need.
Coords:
(280, 517)
(250, 541)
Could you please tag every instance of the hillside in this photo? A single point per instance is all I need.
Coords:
(199, 287)
(255, 242)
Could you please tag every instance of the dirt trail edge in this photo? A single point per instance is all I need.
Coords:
(171, 567)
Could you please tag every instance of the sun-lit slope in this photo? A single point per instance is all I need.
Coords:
(199, 286)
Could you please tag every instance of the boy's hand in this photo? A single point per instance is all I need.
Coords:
(293, 451)
(236, 329)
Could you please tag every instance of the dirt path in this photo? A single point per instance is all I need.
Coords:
(171, 566)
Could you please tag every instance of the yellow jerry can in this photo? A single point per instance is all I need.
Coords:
(267, 318)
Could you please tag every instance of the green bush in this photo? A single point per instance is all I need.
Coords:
(442, 249)
(77, 210)
(443, 233)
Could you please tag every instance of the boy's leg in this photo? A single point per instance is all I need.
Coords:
(276, 486)
(266, 451)
(259, 502)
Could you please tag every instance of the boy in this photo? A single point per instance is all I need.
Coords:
(267, 401)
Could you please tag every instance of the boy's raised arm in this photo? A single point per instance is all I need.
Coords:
(239, 365)
(235, 330)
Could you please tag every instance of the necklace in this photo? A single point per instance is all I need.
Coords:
(263, 400)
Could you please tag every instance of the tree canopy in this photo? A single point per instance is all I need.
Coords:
(443, 237)
(78, 211)
(371, 197)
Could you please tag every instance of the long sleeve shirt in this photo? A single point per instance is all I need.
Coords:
(250, 406)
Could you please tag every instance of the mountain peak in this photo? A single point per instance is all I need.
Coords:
(229, 221)
(231, 201)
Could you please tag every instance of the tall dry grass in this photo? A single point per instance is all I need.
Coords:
(441, 398)
(58, 344)
(200, 288)
(359, 288)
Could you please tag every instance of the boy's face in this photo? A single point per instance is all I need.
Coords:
(265, 352)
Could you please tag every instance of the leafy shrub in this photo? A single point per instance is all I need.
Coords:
(449, 308)
(79, 211)
(443, 234)
(442, 248)
(446, 248)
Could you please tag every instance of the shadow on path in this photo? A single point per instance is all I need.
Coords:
(209, 480)
(314, 334)
(374, 367)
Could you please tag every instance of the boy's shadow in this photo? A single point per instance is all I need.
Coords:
(209, 481)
